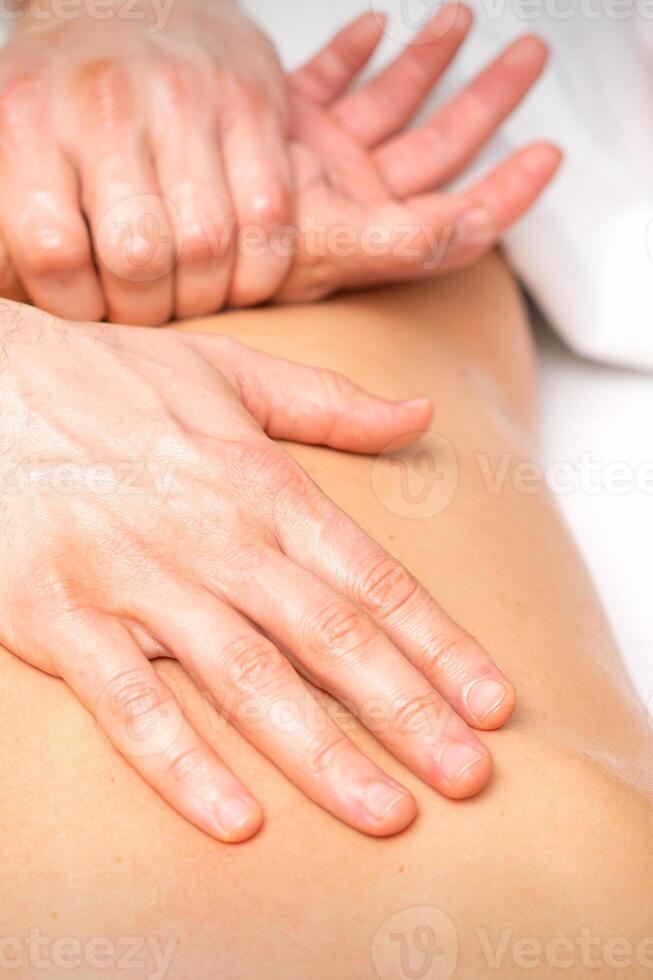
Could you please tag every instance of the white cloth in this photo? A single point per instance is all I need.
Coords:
(586, 250)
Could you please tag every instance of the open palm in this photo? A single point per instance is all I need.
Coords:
(371, 206)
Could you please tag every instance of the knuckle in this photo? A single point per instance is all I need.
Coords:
(53, 593)
(203, 241)
(105, 85)
(189, 766)
(21, 103)
(51, 252)
(385, 587)
(443, 654)
(261, 466)
(182, 83)
(311, 279)
(241, 97)
(268, 208)
(346, 57)
(327, 754)
(338, 631)
(336, 387)
(253, 664)
(419, 714)
(137, 253)
(137, 697)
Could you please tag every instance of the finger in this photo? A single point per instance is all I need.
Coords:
(133, 239)
(256, 159)
(344, 652)
(131, 233)
(433, 233)
(383, 106)
(190, 174)
(427, 157)
(311, 405)
(472, 222)
(141, 717)
(333, 68)
(261, 694)
(331, 546)
(45, 234)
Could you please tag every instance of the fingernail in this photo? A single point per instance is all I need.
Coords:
(456, 759)
(415, 402)
(484, 697)
(233, 815)
(476, 227)
(380, 798)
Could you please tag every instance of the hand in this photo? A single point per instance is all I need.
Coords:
(146, 513)
(162, 140)
(368, 209)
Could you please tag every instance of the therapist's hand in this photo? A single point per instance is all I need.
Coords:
(146, 511)
(372, 203)
(132, 149)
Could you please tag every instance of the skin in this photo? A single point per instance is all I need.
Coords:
(146, 175)
(282, 602)
(555, 852)
(148, 511)
(126, 134)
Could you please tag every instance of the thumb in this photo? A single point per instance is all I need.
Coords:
(316, 406)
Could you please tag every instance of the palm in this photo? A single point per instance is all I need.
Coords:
(368, 208)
